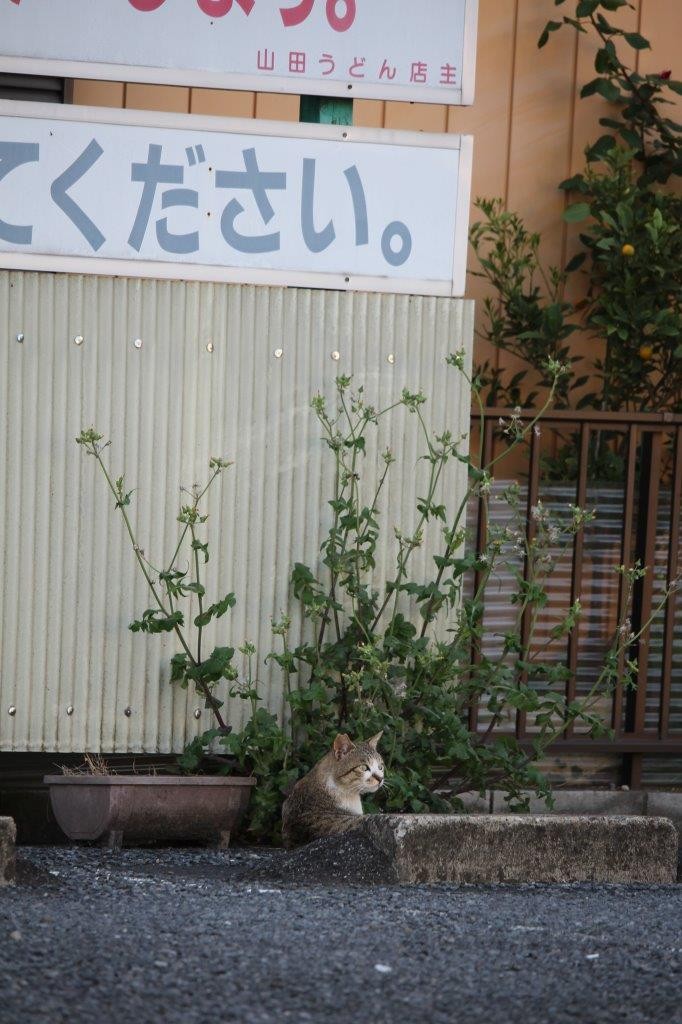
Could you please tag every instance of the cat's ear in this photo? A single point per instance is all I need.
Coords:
(342, 745)
(374, 742)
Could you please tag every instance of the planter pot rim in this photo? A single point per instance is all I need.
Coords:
(148, 780)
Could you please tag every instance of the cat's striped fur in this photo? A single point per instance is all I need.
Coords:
(326, 801)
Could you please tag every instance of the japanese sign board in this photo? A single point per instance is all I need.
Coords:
(418, 50)
(88, 190)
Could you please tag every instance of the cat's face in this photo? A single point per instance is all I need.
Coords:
(357, 767)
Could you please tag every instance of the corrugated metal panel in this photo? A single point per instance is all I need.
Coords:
(662, 772)
(69, 584)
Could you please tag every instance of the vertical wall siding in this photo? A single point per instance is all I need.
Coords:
(69, 586)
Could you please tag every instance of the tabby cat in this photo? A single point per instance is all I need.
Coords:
(326, 801)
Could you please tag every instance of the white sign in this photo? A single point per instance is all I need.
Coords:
(89, 190)
(421, 50)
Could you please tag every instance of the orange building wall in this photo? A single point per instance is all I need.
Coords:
(530, 126)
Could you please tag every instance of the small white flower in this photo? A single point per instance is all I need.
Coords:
(625, 629)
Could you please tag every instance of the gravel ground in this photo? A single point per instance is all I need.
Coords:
(184, 936)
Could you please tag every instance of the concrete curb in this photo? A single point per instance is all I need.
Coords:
(484, 849)
(666, 805)
(648, 803)
(8, 836)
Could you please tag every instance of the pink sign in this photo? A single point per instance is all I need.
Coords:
(418, 50)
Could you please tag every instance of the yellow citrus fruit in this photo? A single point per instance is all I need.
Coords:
(628, 250)
(645, 352)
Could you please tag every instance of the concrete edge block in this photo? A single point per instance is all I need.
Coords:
(666, 805)
(474, 803)
(582, 801)
(8, 838)
(485, 849)
(651, 802)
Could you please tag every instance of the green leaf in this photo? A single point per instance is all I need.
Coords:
(575, 263)
(216, 610)
(576, 212)
(603, 145)
(178, 667)
(636, 41)
(154, 621)
(603, 87)
(229, 601)
(575, 184)
(606, 59)
(216, 667)
(551, 26)
(123, 498)
(197, 545)
(554, 317)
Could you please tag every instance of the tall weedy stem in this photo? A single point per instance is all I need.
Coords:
(171, 585)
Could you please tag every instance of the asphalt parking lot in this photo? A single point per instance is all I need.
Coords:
(183, 936)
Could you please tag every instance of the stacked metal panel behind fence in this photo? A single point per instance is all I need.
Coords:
(638, 518)
(174, 373)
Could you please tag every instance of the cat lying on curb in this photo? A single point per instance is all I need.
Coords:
(326, 801)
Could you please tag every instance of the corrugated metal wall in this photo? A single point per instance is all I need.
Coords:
(69, 584)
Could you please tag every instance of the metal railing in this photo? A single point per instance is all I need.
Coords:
(641, 494)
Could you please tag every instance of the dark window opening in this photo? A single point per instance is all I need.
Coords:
(37, 88)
